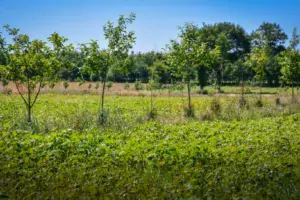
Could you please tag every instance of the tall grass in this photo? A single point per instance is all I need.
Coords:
(80, 112)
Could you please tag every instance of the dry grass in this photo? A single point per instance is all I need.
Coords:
(117, 89)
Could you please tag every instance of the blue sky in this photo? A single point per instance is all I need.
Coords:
(156, 23)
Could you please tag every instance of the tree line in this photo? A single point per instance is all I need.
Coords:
(214, 54)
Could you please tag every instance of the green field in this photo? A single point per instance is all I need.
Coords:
(235, 153)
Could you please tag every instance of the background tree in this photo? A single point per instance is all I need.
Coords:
(158, 72)
(234, 44)
(4, 59)
(259, 59)
(224, 44)
(290, 62)
(270, 34)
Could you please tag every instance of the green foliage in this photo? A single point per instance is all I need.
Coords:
(30, 63)
(100, 62)
(248, 90)
(109, 85)
(52, 85)
(5, 82)
(126, 86)
(290, 60)
(185, 56)
(205, 92)
(153, 85)
(270, 34)
(259, 103)
(259, 59)
(215, 106)
(65, 84)
(157, 72)
(97, 86)
(4, 56)
(178, 86)
(243, 103)
(80, 83)
(75, 152)
(151, 114)
(277, 101)
(256, 159)
(189, 111)
(103, 117)
(138, 85)
(96, 61)
(63, 53)
(90, 86)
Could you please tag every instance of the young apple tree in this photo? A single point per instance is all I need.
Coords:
(185, 55)
(99, 62)
(31, 64)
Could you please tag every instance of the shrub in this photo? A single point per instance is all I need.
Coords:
(179, 86)
(141, 95)
(286, 88)
(193, 84)
(66, 84)
(259, 103)
(138, 85)
(242, 102)
(151, 114)
(80, 83)
(52, 85)
(220, 91)
(189, 112)
(43, 84)
(126, 86)
(5, 82)
(103, 117)
(204, 92)
(248, 90)
(277, 101)
(109, 85)
(97, 86)
(153, 85)
(90, 86)
(215, 106)
(78, 79)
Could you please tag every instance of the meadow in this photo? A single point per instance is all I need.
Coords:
(228, 152)
(178, 130)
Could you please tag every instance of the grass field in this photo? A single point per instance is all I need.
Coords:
(230, 153)
(79, 112)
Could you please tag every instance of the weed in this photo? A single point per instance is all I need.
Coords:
(259, 103)
(215, 106)
(189, 112)
(103, 117)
